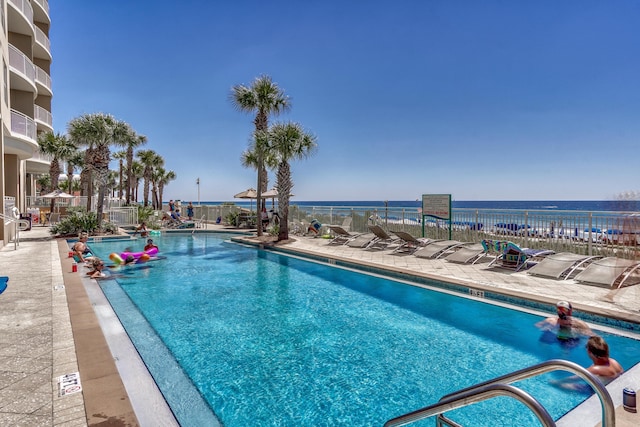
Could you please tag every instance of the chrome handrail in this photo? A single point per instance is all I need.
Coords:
(19, 225)
(471, 394)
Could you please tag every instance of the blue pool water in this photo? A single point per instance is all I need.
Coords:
(270, 340)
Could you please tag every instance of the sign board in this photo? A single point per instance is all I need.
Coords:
(437, 206)
(69, 384)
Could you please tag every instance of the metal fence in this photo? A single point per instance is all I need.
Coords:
(593, 233)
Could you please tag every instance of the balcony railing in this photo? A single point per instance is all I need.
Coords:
(43, 116)
(25, 7)
(23, 125)
(43, 40)
(19, 62)
(43, 78)
(44, 4)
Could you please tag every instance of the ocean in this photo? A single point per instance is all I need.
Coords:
(551, 205)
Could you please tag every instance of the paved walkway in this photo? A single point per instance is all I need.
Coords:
(48, 327)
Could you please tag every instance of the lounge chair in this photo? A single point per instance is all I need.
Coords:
(437, 249)
(382, 240)
(409, 244)
(561, 265)
(509, 255)
(341, 236)
(362, 241)
(467, 254)
(611, 271)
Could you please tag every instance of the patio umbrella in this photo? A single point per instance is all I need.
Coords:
(273, 195)
(56, 194)
(247, 194)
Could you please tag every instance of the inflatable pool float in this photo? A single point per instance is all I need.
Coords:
(138, 256)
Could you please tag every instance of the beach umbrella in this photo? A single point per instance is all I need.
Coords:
(57, 193)
(272, 194)
(247, 194)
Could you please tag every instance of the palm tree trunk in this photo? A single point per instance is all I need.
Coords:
(284, 190)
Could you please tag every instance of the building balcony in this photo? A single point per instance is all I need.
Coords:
(41, 11)
(22, 71)
(42, 46)
(22, 140)
(43, 118)
(39, 163)
(20, 17)
(43, 82)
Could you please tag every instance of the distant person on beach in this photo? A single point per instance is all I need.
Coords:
(190, 211)
(566, 327)
(142, 229)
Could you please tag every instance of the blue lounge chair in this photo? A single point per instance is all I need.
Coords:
(3, 283)
(509, 255)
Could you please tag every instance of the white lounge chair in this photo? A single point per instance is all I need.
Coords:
(382, 240)
(611, 272)
(341, 236)
(438, 249)
(467, 254)
(561, 265)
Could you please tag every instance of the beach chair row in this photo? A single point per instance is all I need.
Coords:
(611, 272)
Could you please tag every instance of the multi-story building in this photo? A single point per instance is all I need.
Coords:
(25, 100)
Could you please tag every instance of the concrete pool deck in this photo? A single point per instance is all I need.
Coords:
(49, 327)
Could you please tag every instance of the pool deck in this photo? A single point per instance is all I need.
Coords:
(50, 326)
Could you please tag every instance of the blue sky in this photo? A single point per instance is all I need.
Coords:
(485, 100)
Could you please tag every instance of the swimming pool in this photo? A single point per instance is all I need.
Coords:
(272, 340)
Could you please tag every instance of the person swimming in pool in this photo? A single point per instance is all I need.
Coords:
(605, 368)
(566, 327)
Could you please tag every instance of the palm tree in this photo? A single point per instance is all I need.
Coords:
(97, 132)
(132, 142)
(75, 159)
(59, 148)
(263, 98)
(287, 142)
(137, 170)
(150, 160)
(120, 156)
(164, 177)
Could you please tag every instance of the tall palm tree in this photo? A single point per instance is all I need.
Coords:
(132, 142)
(137, 170)
(264, 98)
(150, 160)
(75, 159)
(287, 142)
(59, 148)
(164, 177)
(120, 156)
(97, 132)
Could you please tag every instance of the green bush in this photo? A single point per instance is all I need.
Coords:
(79, 220)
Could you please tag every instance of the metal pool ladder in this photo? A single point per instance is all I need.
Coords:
(501, 386)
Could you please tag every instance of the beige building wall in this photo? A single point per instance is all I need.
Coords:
(25, 107)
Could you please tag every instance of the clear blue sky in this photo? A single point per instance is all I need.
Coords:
(486, 100)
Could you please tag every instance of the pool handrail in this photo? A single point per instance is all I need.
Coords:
(487, 389)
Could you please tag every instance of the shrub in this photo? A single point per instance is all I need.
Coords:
(79, 220)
